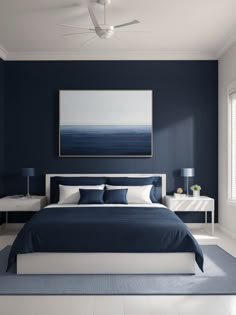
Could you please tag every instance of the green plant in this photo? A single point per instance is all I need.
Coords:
(196, 187)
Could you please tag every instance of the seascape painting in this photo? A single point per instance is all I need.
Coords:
(106, 123)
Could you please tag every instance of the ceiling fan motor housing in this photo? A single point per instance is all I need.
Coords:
(104, 2)
(105, 32)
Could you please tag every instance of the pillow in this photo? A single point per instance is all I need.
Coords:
(115, 196)
(135, 194)
(156, 181)
(55, 181)
(71, 194)
(91, 196)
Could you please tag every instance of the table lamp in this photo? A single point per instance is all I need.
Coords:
(187, 172)
(28, 172)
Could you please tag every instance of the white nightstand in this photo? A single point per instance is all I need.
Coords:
(192, 204)
(16, 203)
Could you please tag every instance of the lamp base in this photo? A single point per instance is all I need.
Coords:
(187, 187)
(28, 193)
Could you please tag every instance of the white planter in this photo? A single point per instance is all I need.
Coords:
(196, 193)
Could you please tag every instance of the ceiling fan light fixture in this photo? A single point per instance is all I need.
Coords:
(103, 31)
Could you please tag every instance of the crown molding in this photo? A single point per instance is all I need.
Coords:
(3, 53)
(228, 43)
(120, 54)
(112, 55)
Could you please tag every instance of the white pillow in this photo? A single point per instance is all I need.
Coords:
(71, 194)
(135, 194)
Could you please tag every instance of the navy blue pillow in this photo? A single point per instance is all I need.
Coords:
(156, 181)
(88, 196)
(55, 181)
(115, 196)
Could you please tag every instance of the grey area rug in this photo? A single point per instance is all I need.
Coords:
(219, 278)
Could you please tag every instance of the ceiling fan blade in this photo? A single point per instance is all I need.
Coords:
(92, 16)
(71, 34)
(127, 24)
(133, 31)
(87, 41)
(74, 26)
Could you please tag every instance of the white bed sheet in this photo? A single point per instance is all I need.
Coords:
(56, 205)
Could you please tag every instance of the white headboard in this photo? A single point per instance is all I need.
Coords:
(48, 176)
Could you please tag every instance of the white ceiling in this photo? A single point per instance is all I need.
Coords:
(179, 29)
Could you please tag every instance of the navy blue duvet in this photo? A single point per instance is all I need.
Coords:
(105, 229)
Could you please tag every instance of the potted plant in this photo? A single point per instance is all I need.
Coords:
(196, 190)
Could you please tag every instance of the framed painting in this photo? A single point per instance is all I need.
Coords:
(105, 123)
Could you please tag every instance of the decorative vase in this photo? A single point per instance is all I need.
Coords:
(196, 193)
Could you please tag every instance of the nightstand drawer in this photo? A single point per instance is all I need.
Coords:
(191, 205)
(10, 203)
(10, 206)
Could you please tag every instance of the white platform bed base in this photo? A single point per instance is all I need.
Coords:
(106, 263)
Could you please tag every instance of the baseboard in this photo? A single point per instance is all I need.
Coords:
(198, 225)
(11, 226)
(227, 231)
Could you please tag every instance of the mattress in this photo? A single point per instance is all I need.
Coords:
(105, 228)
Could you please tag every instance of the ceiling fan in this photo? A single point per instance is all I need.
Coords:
(102, 30)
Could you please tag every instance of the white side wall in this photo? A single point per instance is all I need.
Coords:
(227, 74)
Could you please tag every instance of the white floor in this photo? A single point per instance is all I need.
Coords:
(123, 305)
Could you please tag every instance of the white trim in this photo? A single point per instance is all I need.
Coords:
(227, 43)
(113, 55)
(48, 176)
(231, 89)
(229, 162)
(227, 232)
(231, 202)
(3, 53)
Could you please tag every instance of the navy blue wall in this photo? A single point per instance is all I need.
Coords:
(185, 101)
(1, 126)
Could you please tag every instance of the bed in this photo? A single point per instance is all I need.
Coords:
(105, 238)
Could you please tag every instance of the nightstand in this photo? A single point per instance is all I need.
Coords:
(16, 203)
(192, 204)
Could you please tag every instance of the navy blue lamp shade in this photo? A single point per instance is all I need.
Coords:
(28, 172)
(187, 172)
